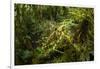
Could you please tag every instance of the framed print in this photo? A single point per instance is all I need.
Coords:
(49, 34)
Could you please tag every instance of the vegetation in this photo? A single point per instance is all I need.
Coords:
(53, 34)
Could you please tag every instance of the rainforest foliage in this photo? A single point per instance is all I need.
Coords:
(53, 34)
